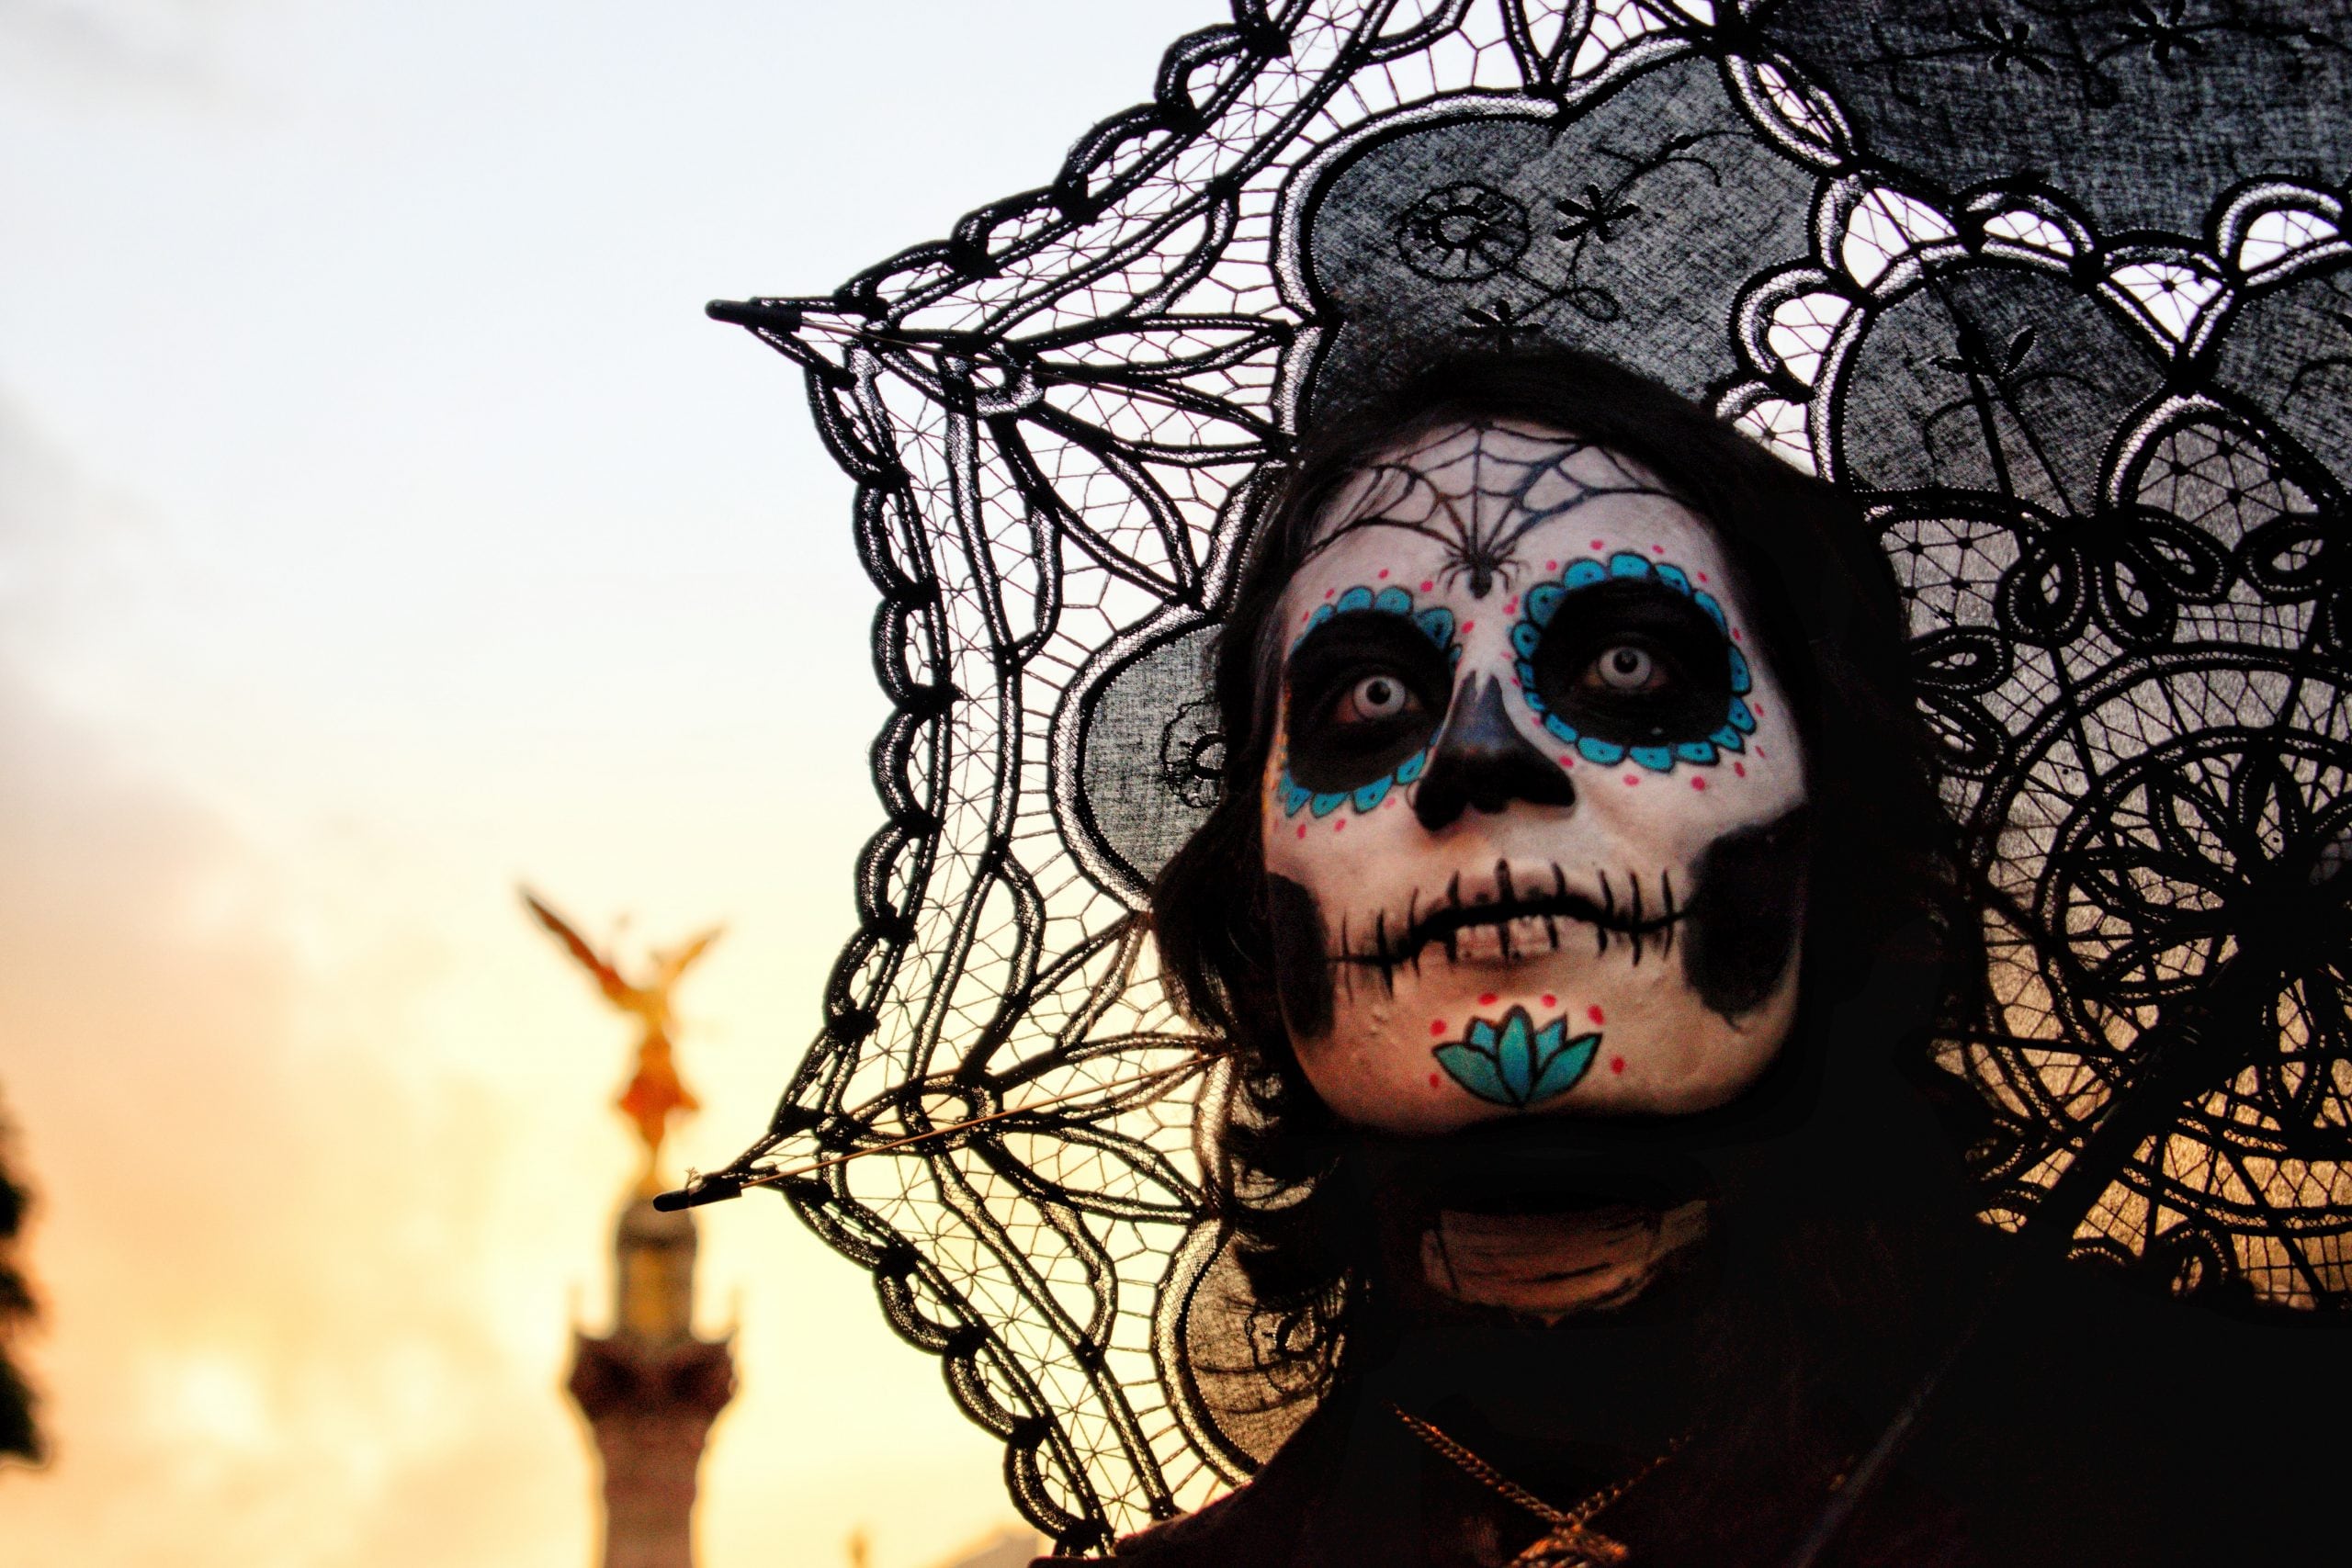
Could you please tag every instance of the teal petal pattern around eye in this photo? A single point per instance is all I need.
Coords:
(1542, 602)
(1437, 624)
(1517, 1064)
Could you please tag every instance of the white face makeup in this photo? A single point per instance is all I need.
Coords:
(1532, 817)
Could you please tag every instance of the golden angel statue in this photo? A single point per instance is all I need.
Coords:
(654, 1090)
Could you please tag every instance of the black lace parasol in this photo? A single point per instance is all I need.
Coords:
(2059, 288)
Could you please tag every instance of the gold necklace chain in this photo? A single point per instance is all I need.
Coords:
(1571, 1542)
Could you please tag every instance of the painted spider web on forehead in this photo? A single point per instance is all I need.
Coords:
(2059, 291)
(1478, 495)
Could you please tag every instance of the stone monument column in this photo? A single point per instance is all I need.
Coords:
(650, 1389)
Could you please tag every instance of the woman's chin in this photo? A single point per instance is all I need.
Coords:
(1502, 1055)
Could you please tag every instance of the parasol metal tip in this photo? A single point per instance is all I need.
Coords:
(698, 1190)
(755, 313)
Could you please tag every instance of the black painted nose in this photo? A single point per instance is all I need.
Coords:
(1481, 760)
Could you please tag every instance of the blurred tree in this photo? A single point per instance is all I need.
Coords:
(18, 1435)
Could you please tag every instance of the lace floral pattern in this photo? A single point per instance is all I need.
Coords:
(2059, 289)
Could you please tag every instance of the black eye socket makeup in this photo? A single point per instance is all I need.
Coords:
(1633, 662)
(1367, 691)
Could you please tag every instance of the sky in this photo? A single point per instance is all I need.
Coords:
(382, 526)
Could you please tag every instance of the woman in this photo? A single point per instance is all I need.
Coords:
(1595, 899)
(1598, 883)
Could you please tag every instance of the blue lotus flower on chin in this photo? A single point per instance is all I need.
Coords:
(1516, 1063)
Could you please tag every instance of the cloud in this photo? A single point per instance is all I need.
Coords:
(318, 1125)
(148, 47)
(273, 1291)
(266, 1275)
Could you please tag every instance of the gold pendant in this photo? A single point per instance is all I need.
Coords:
(1573, 1546)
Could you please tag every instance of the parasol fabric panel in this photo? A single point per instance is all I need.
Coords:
(2057, 287)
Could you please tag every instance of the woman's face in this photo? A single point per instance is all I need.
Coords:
(1534, 821)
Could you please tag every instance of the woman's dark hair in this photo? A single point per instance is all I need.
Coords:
(1884, 887)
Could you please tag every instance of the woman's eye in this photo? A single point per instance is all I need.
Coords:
(1636, 663)
(1373, 699)
(1626, 668)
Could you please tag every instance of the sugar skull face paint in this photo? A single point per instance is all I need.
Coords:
(1534, 821)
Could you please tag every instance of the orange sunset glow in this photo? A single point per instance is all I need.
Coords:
(383, 528)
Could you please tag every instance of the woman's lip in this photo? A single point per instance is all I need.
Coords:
(1525, 939)
(1513, 922)
(1513, 941)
